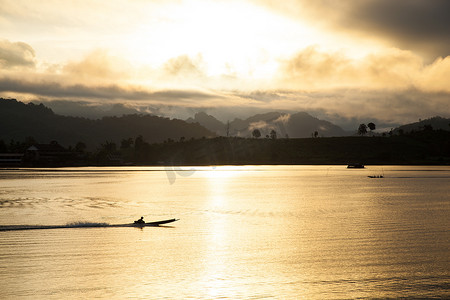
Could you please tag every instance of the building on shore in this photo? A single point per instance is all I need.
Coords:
(46, 154)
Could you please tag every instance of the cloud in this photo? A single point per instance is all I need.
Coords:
(311, 68)
(55, 89)
(16, 55)
(266, 125)
(65, 17)
(417, 25)
(98, 64)
(258, 125)
(435, 77)
(283, 119)
(413, 24)
(100, 76)
(391, 69)
(392, 85)
(184, 66)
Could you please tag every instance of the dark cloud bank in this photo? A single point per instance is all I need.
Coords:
(416, 24)
(419, 25)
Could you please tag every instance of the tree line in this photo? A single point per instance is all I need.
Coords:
(421, 147)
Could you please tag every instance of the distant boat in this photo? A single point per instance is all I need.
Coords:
(375, 176)
(355, 166)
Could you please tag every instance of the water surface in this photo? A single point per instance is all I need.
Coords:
(289, 232)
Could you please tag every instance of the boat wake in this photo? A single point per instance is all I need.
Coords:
(70, 225)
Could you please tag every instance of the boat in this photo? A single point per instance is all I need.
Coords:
(84, 225)
(155, 223)
(355, 166)
(375, 176)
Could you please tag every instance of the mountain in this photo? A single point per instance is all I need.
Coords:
(209, 122)
(298, 125)
(435, 123)
(303, 125)
(89, 110)
(19, 121)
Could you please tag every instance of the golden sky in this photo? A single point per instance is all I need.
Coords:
(381, 59)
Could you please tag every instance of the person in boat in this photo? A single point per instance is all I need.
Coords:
(140, 221)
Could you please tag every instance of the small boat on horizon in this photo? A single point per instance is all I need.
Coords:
(355, 166)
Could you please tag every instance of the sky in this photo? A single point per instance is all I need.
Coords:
(346, 61)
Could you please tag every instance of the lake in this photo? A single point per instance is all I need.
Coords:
(245, 232)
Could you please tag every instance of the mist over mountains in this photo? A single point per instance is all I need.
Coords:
(298, 125)
(98, 110)
(19, 121)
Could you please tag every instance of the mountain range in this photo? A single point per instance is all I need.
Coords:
(297, 125)
(19, 121)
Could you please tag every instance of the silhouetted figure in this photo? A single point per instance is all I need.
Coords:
(140, 221)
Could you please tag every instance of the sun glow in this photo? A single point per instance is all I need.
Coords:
(230, 37)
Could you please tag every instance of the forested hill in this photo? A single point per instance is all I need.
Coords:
(434, 123)
(19, 121)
